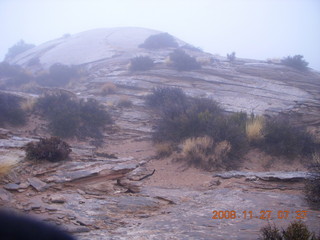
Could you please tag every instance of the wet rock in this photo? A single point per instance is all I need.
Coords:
(37, 184)
(131, 186)
(266, 176)
(5, 195)
(12, 186)
(125, 167)
(59, 199)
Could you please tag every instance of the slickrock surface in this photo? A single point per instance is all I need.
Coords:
(99, 193)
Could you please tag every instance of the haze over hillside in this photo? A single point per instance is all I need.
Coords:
(138, 170)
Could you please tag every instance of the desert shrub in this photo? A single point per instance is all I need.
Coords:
(296, 230)
(11, 111)
(163, 97)
(281, 138)
(141, 63)
(296, 62)
(161, 40)
(312, 187)
(124, 102)
(270, 232)
(164, 149)
(254, 128)
(182, 61)
(59, 75)
(52, 149)
(108, 88)
(183, 117)
(205, 153)
(70, 117)
(14, 74)
(231, 57)
(93, 117)
(18, 48)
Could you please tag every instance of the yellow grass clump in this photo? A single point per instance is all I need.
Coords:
(28, 104)
(164, 149)
(254, 128)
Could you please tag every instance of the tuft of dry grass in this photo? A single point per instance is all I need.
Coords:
(5, 168)
(124, 101)
(108, 88)
(254, 128)
(28, 104)
(198, 151)
(164, 149)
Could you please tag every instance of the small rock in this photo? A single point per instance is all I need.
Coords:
(59, 199)
(5, 195)
(37, 184)
(12, 186)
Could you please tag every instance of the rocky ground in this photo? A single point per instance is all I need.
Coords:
(111, 191)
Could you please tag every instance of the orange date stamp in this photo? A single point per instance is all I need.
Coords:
(263, 214)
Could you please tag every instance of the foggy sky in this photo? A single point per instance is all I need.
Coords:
(257, 29)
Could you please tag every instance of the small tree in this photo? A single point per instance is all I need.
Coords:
(231, 57)
(183, 62)
(296, 62)
(18, 48)
(141, 63)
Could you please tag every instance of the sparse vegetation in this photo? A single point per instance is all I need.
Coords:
(182, 61)
(296, 230)
(161, 40)
(18, 48)
(70, 117)
(296, 62)
(11, 111)
(51, 149)
(312, 188)
(183, 118)
(108, 88)
(141, 63)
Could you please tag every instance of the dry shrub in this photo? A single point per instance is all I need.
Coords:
(254, 128)
(5, 168)
(124, 101)
(52, 149)
(270, 232)
(141, 63)
(108, 88)
(164, 149)
(10, 109)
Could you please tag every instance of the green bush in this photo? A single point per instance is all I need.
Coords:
(296, 62)
(141, 63)
(52, 149)
(281, 138)
(70, 117)
(59, 75)
(296, 230)
(161, 40)
(18, 48)
(182, 61)
(10, 109)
